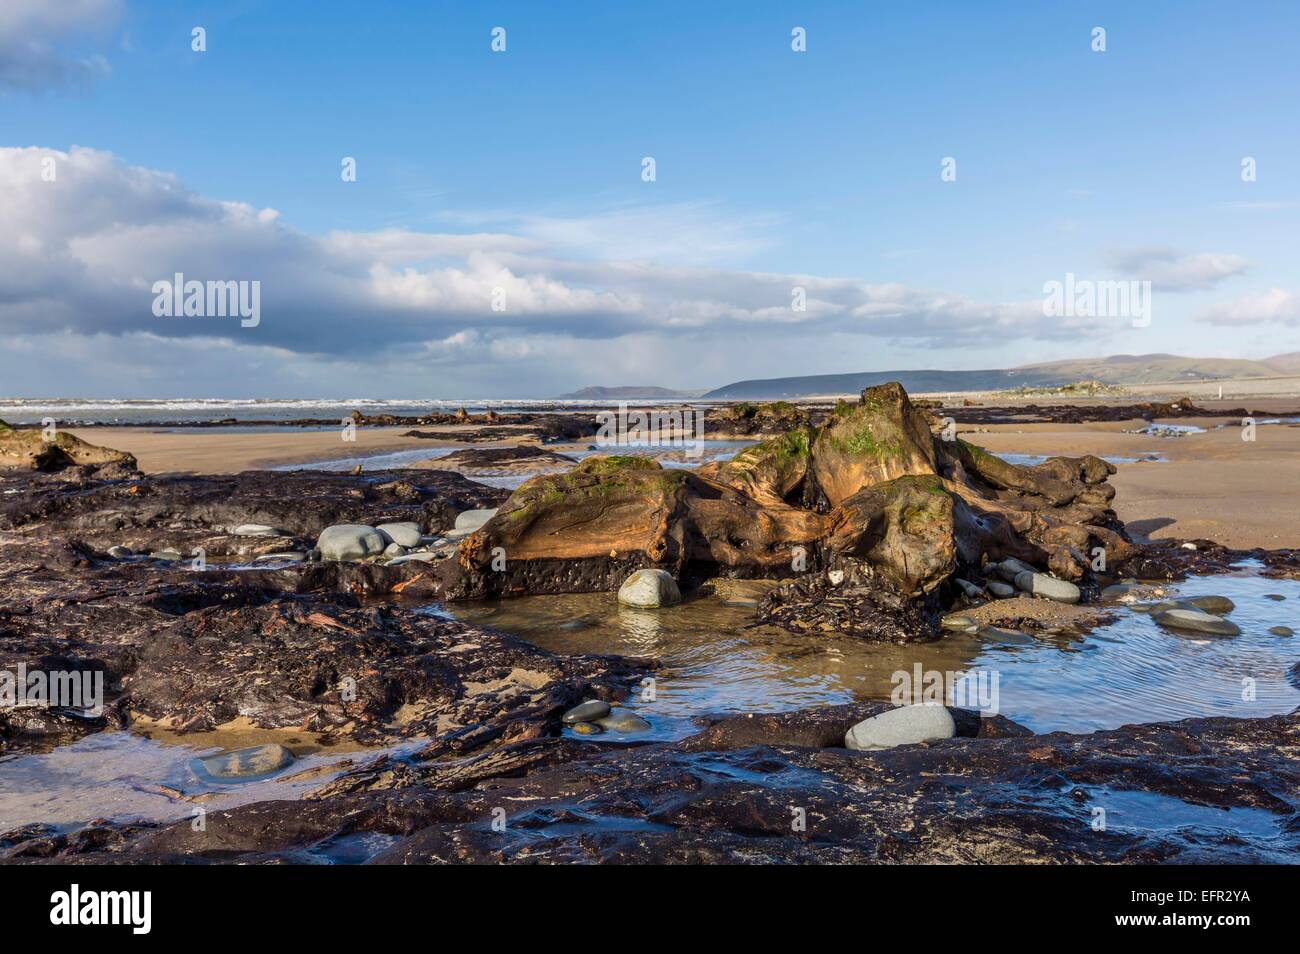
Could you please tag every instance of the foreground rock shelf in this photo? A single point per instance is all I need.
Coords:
(770, 789)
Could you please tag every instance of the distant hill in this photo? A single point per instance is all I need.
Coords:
(626, 393)
(1284, 363)
(1116, 369)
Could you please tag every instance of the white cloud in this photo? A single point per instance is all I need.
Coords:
(79, 256)
(1275, 306)
(1171, 270)
(33, 34)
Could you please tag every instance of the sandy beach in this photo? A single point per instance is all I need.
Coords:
(200, 451)
(1211, 485)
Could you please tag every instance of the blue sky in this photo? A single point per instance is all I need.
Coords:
(770, 163)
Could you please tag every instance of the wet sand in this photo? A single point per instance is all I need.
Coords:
(201, 451)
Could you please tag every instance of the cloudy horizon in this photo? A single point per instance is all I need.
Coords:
(480, 252)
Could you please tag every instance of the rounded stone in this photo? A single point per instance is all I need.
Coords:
(1007, 637)
(1274, 596)
(423, 556)
(1196, 621)
(647, 589)
(1001, 590)
(1040, 584)
(907, 725)
(622, 720)
(1010, 568)
(350, 541)
(588, 711)
(958, 624)
(120, 553)
(170, 555)
(246, 763)
(1282, 631)
(1218, 605)
(256, 530)
(406, 534)
(470, 520)
(587, 728)
(288, 556)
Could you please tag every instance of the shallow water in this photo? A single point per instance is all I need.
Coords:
(1128, 671)
(123, 776)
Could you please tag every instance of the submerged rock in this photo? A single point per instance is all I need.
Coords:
(903, 726)
(649, 589)
(587, 728)
(1218, 605)
(1196, 621)
(621, 720)
(254, 761)
(1282, 631)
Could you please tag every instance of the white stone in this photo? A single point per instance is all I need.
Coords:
(1040, 584)
(471, 520)
(406, 534)
(904, 726)
(349, 541)
(256, 530)
(648, 589)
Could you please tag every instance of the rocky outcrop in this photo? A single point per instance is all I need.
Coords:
(876, 440)
(588, 529)
(875, 495)
(27, 449)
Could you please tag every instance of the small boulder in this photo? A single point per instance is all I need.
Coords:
(907, 725)
(648, 589)
(1001, 590)
(1281, 631)
(1040, 584)
(957, 623)
(588, 711)
(1196, 621)
(1218, 605)
(407, 534)
(623, 721)
(470, 520)
(1010, 568)
(349, 541)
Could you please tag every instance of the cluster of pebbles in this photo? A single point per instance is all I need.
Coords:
(388, 543)
(594, 717)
